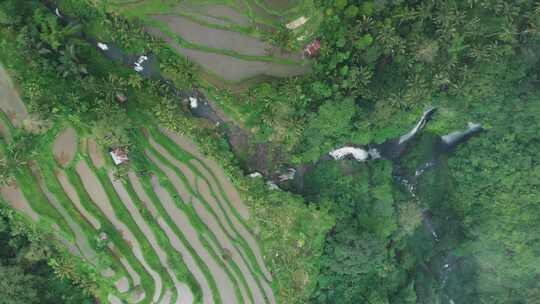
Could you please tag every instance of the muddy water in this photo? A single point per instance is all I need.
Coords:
(225, 243)
(122, 285)
(215, 13)
(14, 196)
(222, 258)
(210, 221)
(188, 259)
(5, 133)
(80, 237)
(229, 189)
(280, 5)
(238, 226)
(184, 293)
(167, 297)
(206, 216)
(204, 190)
(65, 146)
(216, 38)
(224, 284)
(135, 278)
(231, 68)
(178, 184)
(71, 192)
(195, 184)
(98, 195)
(10, 102)
(95, 153)
(114, 299)
(108, 273)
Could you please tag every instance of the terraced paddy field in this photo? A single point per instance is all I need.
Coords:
(225, 38)
(175, 234)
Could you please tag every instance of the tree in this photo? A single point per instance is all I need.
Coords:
(16, 287)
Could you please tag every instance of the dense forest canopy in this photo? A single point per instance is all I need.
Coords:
(25, 275)
(476, 61)
(469, 234)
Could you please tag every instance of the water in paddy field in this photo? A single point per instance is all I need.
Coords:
(281, 4)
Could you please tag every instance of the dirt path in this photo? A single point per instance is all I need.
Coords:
(65, 146)
(98, 195)
(71, 192)
(10, 102)
(230, 68)
(184, 293)
(95, 154)
(188, 259)
(14, 196)
(224, 284)
(80, 237)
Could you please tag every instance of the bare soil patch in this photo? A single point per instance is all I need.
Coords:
(14, 196)
(96, 156)
(10, 102)
(122, 285)
(65, 146)
(114, 299)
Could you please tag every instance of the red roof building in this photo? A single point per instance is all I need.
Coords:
(313, 49)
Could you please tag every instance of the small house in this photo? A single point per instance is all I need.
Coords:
(313, 49)
(119, 156)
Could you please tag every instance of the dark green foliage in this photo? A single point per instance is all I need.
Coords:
(25, 276)
(356, 266)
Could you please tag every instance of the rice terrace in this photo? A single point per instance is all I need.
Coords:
(269, 151)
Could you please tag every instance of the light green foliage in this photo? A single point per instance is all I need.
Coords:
(328, 128)
(292, 237)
